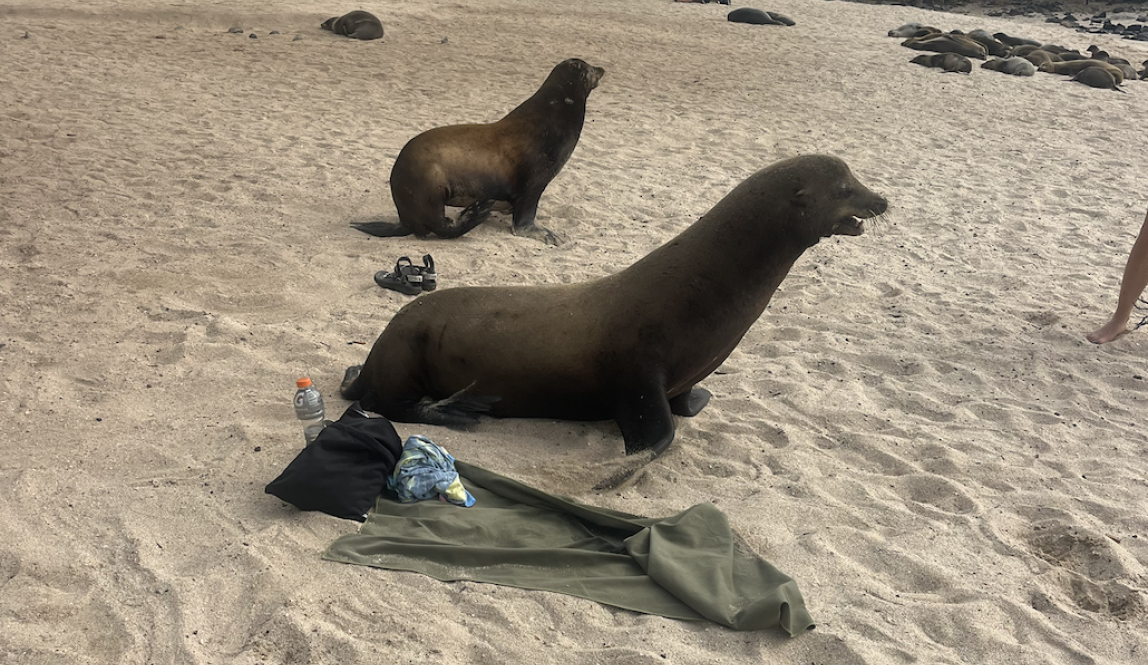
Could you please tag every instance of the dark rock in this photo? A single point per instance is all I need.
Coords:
(235, 30)
(273, 32)
(252, 36)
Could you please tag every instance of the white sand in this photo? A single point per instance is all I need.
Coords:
(916, 430)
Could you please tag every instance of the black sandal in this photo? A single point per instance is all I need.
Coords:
(406, 278)
(430, 277)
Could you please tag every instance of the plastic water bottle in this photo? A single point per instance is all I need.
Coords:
(309, 409)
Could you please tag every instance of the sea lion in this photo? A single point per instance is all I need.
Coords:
(1015, 66)
(950, 62)
(947, 43)
(758, 17)
(475, 166)
(1097, 78)
(630, 346)
(1022, 50)
(356, 25)
(907, 30)
(992, 45)
(1014, 41)
(1074, 67)
(1040, 56)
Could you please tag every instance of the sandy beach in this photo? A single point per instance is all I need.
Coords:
(916, 430)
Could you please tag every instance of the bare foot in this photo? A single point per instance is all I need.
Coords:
(1108, 332)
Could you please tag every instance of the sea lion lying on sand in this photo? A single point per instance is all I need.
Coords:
(950, 62)
(356, 25)
(1014, 66)
(947, 43)
(1074, 67)
(631, 346)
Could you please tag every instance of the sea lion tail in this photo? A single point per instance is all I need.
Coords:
(470, 217)
(455, 411)
(382, 229)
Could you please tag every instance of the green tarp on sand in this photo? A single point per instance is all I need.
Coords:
(689, 566)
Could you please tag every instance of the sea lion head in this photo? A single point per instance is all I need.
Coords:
(329, 24)
(824, 190)
(577, 74)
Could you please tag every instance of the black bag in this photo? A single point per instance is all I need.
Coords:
(345, 469)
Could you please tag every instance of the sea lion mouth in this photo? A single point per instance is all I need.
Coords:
(849, 226)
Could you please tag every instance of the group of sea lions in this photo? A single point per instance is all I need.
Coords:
(1015, 55)
(632, 346)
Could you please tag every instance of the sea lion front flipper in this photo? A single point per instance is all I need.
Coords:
(523, 212)
(690, 403)
(644, 417)
(382, 229)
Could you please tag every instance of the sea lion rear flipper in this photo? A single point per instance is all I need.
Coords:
(382, 229)
(457, 410)
(351, 389)
(691, 402)
(470, 217)
(645, 419)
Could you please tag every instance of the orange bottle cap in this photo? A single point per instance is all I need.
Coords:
(303, 382)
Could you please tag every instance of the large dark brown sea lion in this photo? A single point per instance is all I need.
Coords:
(631, 346)
(356, 25)
(475, 166)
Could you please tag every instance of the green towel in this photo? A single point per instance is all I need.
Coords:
(690, 566)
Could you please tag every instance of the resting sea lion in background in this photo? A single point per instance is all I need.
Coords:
(1014, 41)
(475, 166)
(631, 346)
(991, 44)
(1097, 78)
(356, 25)
(758, 17)
(1014, 66)
(1074, 67)
(1040, 56)
(912, 30)
(947, 43)
(950, 62)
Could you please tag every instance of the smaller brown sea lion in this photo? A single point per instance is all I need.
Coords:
(1076, 66)
(950, 62)
(1097, 78)
(1066, 56)
(1022, 50)
(1015, 66)
(476, 166)
(356, 25)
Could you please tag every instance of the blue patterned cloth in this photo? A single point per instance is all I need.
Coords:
(426, 471)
